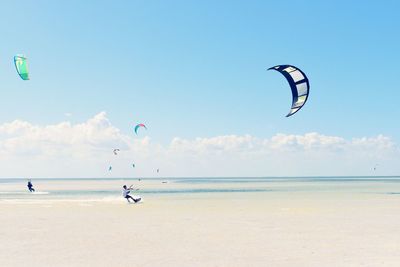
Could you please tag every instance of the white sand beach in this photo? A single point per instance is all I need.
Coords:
(297, 228)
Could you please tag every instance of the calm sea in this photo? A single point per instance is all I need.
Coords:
(107, 188)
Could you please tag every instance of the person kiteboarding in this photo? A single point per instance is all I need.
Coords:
(125, 193)
(30, 186)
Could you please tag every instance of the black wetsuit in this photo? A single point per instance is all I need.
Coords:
(30, 187)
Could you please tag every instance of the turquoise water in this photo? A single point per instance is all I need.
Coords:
(101, 188)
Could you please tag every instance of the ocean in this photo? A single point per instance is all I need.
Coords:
(109, 189)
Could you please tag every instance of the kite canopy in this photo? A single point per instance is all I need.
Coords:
(21, 64)
(138, 126)
(115, 151)
(299, 84)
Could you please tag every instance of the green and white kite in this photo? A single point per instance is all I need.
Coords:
(21, 64)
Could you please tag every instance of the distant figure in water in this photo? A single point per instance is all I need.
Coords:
(30, 186)
(125, 194)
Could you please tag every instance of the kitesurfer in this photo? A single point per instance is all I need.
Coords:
(30, 186)
(126, 191)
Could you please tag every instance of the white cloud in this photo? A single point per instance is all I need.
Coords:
(309, 141)
(63, 138)
(85, 150)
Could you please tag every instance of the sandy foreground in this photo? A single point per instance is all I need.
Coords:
(228, 229)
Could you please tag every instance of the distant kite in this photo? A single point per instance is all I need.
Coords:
(299, 84)
(109, 168)
(138, 126)
(133, 165)
(21, 64)
(115, 151)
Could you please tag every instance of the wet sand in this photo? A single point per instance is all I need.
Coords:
(225, 229)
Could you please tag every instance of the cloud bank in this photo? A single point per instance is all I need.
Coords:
(85, 150)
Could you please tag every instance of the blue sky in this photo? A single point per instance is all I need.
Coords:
(198, 68)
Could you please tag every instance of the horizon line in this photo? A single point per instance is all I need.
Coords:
(212, 177)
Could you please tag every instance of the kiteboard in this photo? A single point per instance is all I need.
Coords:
(39, 193)
(138, 202)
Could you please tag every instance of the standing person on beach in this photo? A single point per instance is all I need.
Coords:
(30, 186)
(126, 191)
